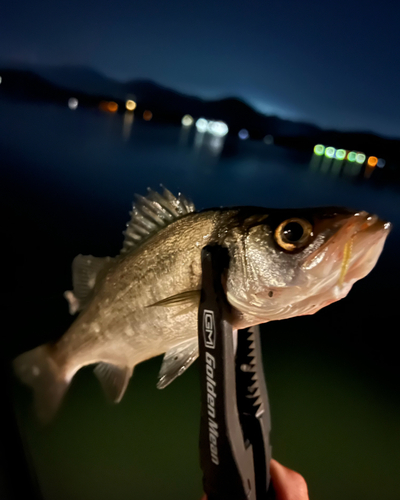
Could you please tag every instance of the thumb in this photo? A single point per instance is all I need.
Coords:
(288, 484)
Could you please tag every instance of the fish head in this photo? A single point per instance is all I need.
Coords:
(286, 263)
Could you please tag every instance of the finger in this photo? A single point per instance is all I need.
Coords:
(288, 484)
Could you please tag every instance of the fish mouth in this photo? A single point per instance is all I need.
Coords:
(367, 240)
(353, 251)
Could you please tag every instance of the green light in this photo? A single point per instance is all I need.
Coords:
(360, 158)
(340, 154)
(352, 156)
(319, 149)
(330, 152)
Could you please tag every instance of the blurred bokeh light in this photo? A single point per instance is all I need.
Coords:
(218, 129)
(187, 120)
(130, 105)
(73, 103)
(243, 134)
(360, 158)
(319, 149)
(330, 152)
(201, 124)
(340, 154)
(147, 115)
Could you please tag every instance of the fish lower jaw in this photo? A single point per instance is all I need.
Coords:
(251, 314)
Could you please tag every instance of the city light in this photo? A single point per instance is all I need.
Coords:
(130, 105)
(319, 149)
(360, 158)
(381, 163)
(352, 156)
(330, 152)
(73, 103)
(112, 107)
(243, 134)
(269, 139)
(201, 124)
(187, 121)
(147, 115)
(219, 129)
(341, 154)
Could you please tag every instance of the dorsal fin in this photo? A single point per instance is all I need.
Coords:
(152, 213)
(85, 269)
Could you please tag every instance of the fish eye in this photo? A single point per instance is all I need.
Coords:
(293, 233)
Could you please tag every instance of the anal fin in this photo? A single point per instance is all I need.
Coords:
(113, 379)
(177, 360)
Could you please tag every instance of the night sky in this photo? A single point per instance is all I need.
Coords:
(335, 64)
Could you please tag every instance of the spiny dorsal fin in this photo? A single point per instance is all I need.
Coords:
(85, 269)
(113, 379)
(152, 213)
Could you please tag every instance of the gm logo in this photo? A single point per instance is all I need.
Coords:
(209, 329)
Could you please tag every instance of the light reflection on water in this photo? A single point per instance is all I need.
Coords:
(335, 167)
(111, 156)
(127, 125)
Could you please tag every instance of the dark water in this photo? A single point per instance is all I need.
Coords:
(68, 179)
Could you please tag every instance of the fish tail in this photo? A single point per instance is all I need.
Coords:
(38, 369)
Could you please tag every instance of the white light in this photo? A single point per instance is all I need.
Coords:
(187, 121)
(243, 134)
(1, 79)
(219, 129)
(201, 124)
(130, 105)
(360, 158)
(73, 103)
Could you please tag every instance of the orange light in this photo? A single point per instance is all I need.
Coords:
(147, 115)
(112, 107)
(372, 161)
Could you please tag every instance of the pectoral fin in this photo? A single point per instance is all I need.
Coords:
(190, 298)
(176, 361)
(113, 379)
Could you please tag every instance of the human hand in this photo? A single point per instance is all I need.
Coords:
(287, 484)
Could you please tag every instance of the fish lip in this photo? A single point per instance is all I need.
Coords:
(371, 226)
(360, 223)
(366, 237)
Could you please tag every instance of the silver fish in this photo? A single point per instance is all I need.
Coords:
(144, 302)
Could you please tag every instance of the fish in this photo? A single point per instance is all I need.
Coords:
(144, 302)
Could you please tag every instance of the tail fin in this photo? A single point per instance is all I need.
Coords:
(38, 369)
